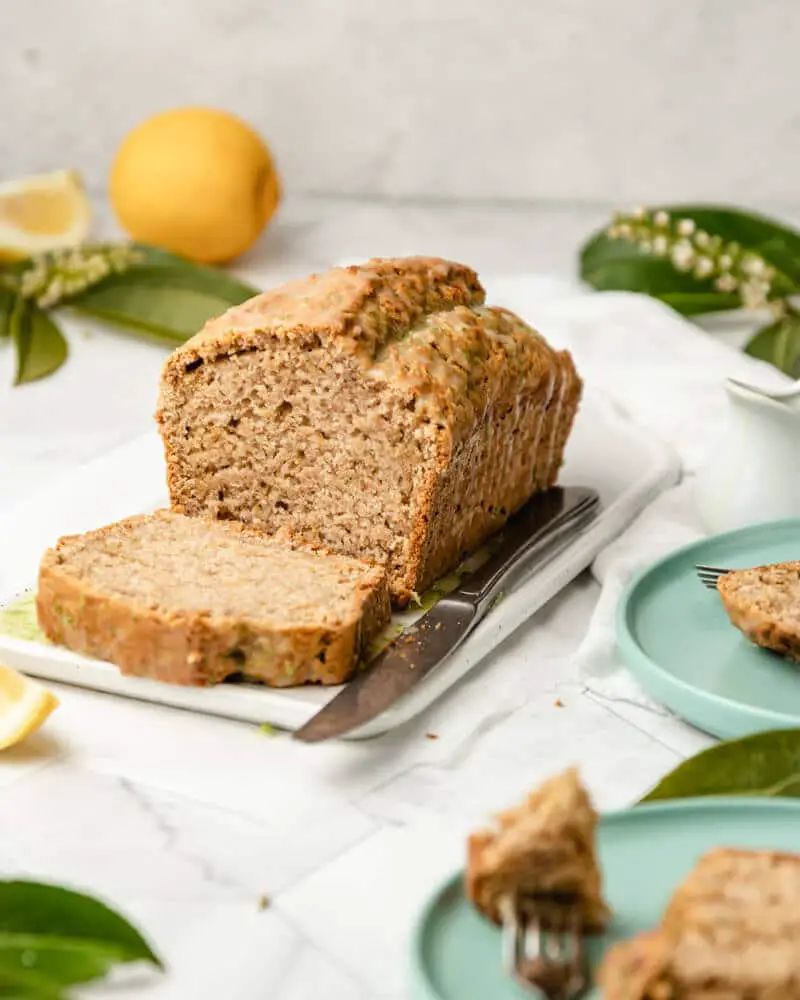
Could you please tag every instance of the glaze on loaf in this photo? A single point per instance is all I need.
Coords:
(382, 410)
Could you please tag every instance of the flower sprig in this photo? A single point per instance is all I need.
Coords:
(53, 278)
(142, 289)
(692, 250)
(701, 259)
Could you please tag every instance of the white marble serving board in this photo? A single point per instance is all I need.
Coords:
(624, 463)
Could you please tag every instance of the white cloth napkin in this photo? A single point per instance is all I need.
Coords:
(667, 375)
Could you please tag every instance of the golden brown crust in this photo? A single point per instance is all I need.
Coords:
(192, 648)
(753, 599)
(354, 309)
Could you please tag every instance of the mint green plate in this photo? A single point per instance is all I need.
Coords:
(676, 639)
(644, 853)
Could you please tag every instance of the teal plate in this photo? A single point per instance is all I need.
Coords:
(676, 639)
(456, 954)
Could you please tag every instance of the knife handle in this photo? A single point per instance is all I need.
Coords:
(527, 534)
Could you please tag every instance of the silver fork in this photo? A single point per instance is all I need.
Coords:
(710, 574)
(543, 946)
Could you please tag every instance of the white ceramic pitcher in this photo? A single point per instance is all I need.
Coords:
(753, 473)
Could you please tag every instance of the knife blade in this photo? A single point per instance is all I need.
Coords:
(530, 538)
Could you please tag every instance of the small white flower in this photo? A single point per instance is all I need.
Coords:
(683, 255)
(686, 227)
(613, 232)
(625, 231)
(661, 219)
(726, 283)
(639, 213)
(660, 246)
(704, 267)
(725, 262)
(754, 294)
(701, 239)
(752, 265)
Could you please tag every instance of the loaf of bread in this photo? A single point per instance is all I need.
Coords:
(764, 603)
(382, 411)
(544, 845)
(730, 931)
(191, 601)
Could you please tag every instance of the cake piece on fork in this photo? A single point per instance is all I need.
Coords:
(543, 847)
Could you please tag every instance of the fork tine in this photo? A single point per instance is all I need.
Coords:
(544, 950)
(510, 927)
(708, 575)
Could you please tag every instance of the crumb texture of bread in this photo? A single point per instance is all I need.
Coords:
(383, 411)
(545, 844)
(730, 932)
(764, 603)
(192, 601)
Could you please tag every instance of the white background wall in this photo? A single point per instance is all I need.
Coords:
(621, 100)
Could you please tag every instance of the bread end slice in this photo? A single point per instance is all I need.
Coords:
(189, 601)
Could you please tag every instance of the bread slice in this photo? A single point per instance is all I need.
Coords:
(188, 601)
(730, 932)
(383, 411)
(546, 844)
(765, 604)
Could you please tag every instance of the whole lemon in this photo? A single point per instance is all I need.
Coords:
(197, 181)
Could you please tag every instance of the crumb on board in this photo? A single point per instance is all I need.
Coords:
(558, 703)
(431, 736)
(263, 902)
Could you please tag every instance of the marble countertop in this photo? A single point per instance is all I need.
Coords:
(259, 867)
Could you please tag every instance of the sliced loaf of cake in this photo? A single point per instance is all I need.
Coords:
(189, 601)
(544, 845)
(764, 603)
(730, 931)
(383, 411)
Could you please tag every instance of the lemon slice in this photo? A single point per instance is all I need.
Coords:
(46, 212)
(24, 705)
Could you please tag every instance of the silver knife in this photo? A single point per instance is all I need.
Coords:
(541, 529)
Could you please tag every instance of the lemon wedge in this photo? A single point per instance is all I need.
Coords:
(45, 212)
(24, 706)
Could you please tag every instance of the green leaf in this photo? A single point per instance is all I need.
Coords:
(174, 312)
(49, 911)
(7, 299)
(699, 303)
(208, 279)
(62, 961)
(779, 343)
(205, 281)
(766, 764)
(41, 347)
(27, 984)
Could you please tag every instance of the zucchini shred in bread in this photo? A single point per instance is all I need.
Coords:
(730, 932)
(544, 845)
(382, 411)
(764, 603)
(189, 601)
